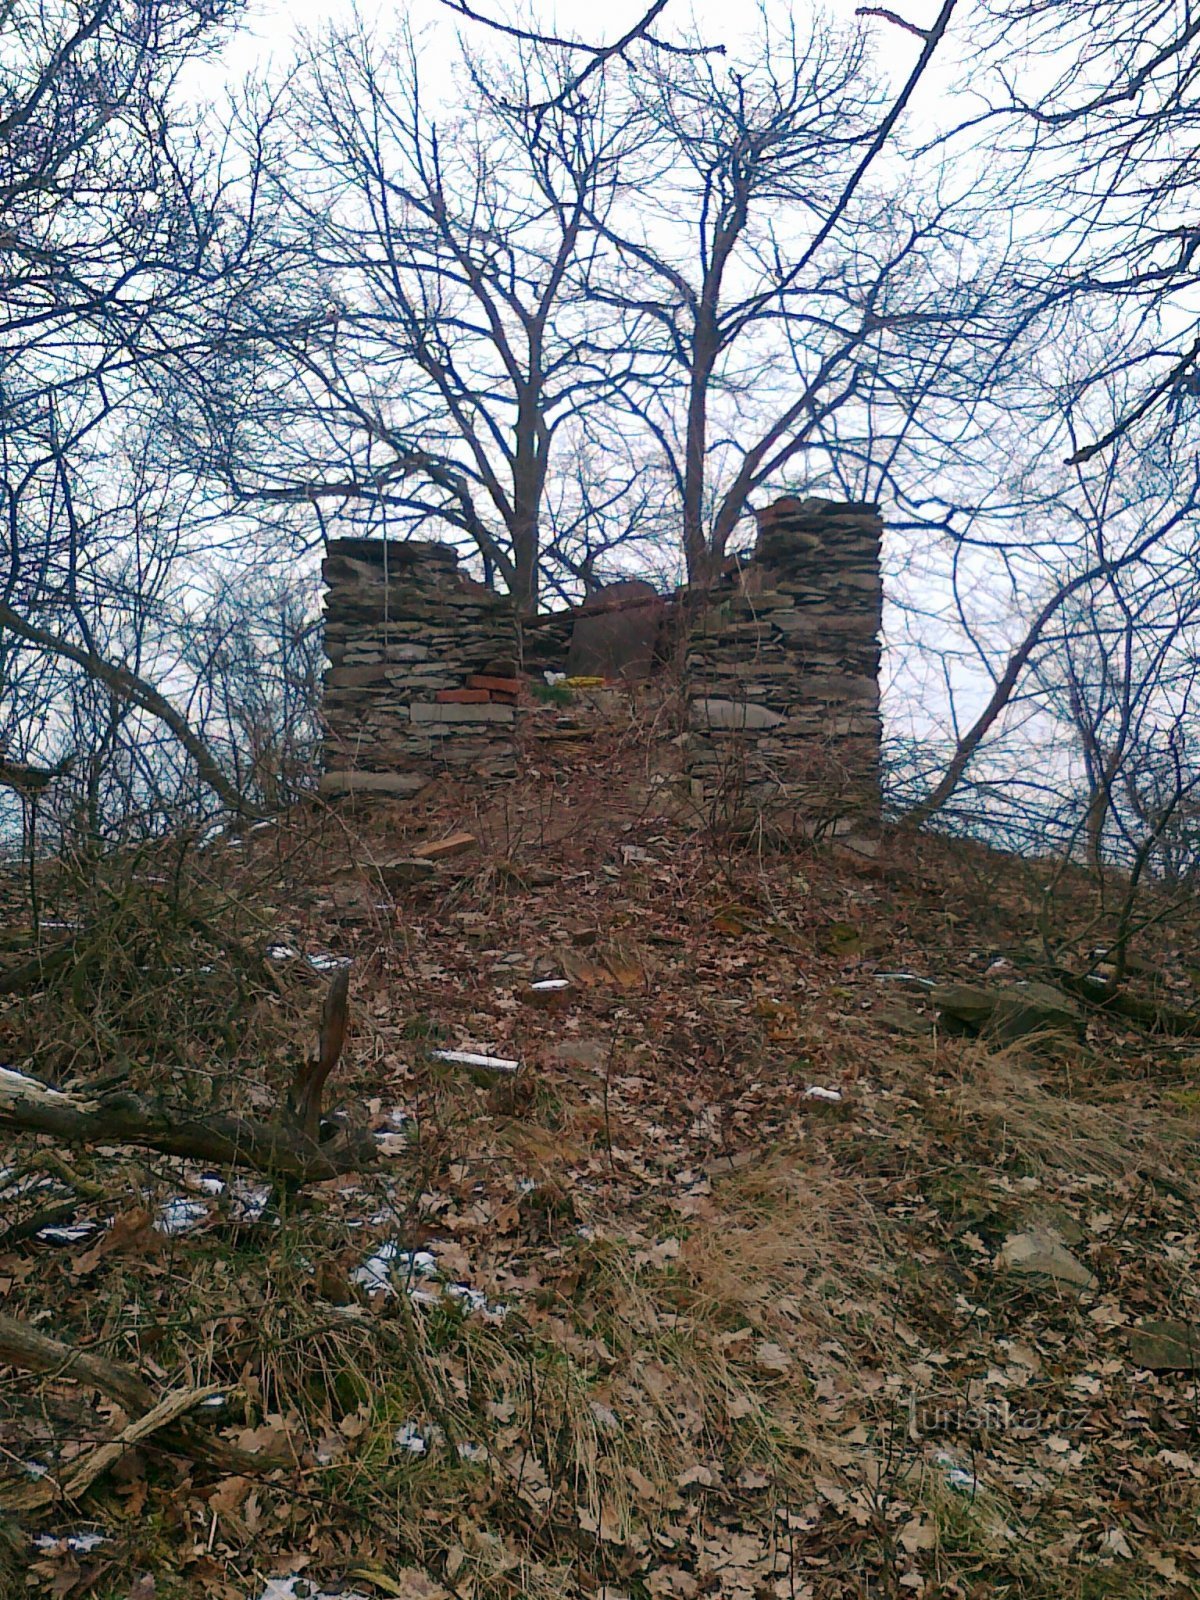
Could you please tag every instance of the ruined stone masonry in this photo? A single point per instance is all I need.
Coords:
(406, 634)
(781, 674)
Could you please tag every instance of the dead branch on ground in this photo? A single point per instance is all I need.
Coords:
(29, 1350)
(286, 1148)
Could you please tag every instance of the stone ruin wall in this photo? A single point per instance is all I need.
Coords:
(782, 671)
(407, 634)
(429, 669)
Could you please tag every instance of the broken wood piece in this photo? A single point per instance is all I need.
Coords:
(310, 1079)
(438, 849)
(86, 1469)
(547, 993)
(28, 1349)
(468, 1058)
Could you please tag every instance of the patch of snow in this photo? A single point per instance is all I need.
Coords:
(816, 1092)
(410, 1440)
(326, 961)
(181, 1215)
(79, 1544)
(399, 1132)
(474, 1300)
(471, 1452)
(956, 1476)
(390, 1262)
(281, 952)
(297, 1588)
(20, 1186)
(415, 1270)
(549, 985)
(68, 1233)
(246, 1203)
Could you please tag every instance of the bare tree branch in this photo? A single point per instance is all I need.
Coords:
(128, 686)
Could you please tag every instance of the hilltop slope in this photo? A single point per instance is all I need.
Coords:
(648, 1317)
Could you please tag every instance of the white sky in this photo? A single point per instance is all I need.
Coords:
(271, 25)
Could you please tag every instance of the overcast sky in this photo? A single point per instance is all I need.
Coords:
(271, 25)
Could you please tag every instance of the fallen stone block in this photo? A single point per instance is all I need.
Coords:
(404, 871)
(732, 714)
(398, 783)
(1041, 1255)
(1008, 1014)
(460, 713)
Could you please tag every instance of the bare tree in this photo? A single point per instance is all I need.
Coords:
(1094, 103)
(454, 254)
(1089, 576)
(791, 306)
(116, 244)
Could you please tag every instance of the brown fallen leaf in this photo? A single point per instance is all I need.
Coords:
(132, 1233)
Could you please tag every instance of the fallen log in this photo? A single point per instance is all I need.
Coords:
(30, 1350)
(1152, 1014)
(280, 1149)
(287, 1147)
(38, 968)
(84, 1471)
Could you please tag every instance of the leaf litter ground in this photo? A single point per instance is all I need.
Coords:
(645, 1317)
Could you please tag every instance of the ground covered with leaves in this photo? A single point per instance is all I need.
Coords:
(714, 1296)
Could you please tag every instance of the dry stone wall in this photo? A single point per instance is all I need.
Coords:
(422, 675)
(781, 670)
(783, 673)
